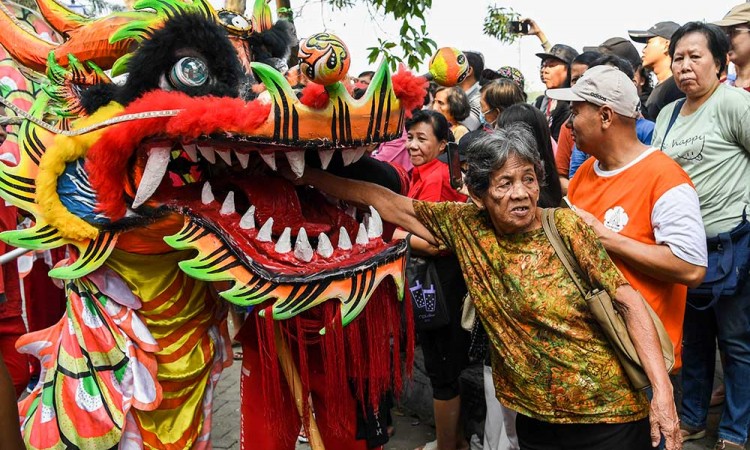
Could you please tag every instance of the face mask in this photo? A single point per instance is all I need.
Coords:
(482, 119)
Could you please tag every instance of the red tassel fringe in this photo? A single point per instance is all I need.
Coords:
(365, 355)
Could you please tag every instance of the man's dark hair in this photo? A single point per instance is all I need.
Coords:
(615, 61)
(476, 62)
(586, 58)
(718, 42)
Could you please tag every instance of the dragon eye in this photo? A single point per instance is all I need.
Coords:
(240, 22)
(189, 72)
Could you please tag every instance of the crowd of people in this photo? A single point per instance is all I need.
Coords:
(651, 152)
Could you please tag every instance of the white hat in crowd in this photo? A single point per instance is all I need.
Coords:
(603, 85)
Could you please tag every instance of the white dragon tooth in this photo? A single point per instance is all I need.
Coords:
(208, 153)
(156, 167)
(362, 235)
(325, 158)
(284, 244)
(296, 162)
(227, 207)
(375, 224)
(359, 153)
(352, 155)
(243, 158)
(225, 155)
(191, 151)
(248, 219)
(207, 195)
(264, 234)
(270, 159)
(302, 248)
(325, 249)
(351, 211)
(344, 242)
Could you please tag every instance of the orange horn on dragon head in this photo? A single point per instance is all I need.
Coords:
(89, 40)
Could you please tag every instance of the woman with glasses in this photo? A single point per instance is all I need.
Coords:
(737, 26)
(709, 137)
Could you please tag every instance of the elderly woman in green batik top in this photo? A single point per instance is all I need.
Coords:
(550, 361)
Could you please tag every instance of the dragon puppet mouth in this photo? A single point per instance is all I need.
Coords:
(275, 240)
(214, 161)
(282, 231)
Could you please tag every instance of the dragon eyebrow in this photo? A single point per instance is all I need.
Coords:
(90, 128)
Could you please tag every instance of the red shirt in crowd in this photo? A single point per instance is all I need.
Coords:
(431, 182)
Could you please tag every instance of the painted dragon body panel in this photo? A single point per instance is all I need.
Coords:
(164, 187)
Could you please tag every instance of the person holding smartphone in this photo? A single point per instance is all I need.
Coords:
(528, 27)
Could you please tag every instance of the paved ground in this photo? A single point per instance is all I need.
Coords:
(409, 432)
(225, 436)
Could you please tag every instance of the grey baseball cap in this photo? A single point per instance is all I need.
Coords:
(661, 29)
(736, 16)
(603, 85)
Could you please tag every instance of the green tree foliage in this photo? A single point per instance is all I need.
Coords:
(414, 45)
(496, 23)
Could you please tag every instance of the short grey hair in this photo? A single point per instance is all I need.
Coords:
(490, 153)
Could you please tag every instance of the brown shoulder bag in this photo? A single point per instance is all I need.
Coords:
(605, 312)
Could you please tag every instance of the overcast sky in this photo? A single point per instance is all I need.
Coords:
(458, 23)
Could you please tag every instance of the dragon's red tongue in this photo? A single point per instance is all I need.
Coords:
(273, 197)
(277, 198)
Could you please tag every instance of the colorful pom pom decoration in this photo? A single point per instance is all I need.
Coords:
(324, 58)
(448, 66)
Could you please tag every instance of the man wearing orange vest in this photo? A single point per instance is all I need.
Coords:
(639, 202)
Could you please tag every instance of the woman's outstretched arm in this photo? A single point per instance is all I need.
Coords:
(392, 207)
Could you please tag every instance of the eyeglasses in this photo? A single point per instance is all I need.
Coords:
(734, 31)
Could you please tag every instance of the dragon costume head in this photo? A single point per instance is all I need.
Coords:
(159, 132)
(186, 134)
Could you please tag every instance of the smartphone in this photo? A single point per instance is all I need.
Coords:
(518, 27)
(454, 166)
(567, 202)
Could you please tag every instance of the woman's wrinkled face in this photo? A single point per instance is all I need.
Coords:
(512, 196)
(554, 73)
(440, 104)
(422, 143)
(693, 66)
